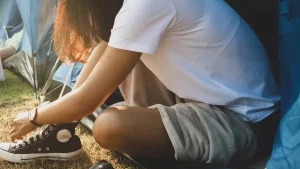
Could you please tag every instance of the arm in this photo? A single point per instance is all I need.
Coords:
(12, 44)
(89, 66)
(109, 72)
(7, 52)
(68, 108)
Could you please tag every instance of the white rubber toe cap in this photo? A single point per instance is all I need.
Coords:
(7, 156)
(4, 146)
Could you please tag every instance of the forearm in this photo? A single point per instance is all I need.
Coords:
(66, 109)
(107, 75)
(7, 52)
(89, 66)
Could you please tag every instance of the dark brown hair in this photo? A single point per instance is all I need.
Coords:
(81, 24)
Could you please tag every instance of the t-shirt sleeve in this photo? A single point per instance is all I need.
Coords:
(140, 25)
(15, 40)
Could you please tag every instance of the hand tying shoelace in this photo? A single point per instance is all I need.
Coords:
(37, 135)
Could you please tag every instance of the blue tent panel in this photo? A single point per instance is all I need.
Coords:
(286, 151)
(38, 17)
(62, 73)
(30, 11)
(9, 16)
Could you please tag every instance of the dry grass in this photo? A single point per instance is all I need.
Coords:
(17, 96)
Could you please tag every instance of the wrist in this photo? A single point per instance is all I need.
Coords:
(32, 115)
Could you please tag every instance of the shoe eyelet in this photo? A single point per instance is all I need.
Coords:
(39, 149)
(29, 142)
(41, 136)
(51, 128)
(46, 133)
(35, 140)
(23, 144)
(17, 146)
(47, 148)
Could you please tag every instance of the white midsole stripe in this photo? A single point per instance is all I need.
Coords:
(18, 158)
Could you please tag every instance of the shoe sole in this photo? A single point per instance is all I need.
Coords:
(21, 158)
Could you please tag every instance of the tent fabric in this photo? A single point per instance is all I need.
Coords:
(62, 72)
(38, 17)
(286, 149)
(2, 78)
(2, 8)
(37, 58)
(9, 17)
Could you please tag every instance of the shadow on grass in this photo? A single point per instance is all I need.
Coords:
(81, 162)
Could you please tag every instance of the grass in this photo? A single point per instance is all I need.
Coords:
(17, 96)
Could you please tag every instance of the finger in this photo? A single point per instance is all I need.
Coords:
(16, 136)
(13, 137)
(12, 130)
(20, 138)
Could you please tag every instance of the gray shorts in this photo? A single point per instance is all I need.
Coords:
(204, 133)
(198, 131)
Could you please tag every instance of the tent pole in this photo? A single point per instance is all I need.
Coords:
(34, 77)
(49, 79)
(65, 84)
(53, 70)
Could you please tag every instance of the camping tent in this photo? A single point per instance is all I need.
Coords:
(286, 150)
(9, 18)
(36, 61)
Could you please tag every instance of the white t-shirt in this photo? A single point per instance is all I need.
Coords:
(15, 40)
(201, 50)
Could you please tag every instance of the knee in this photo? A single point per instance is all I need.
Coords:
(107, 128)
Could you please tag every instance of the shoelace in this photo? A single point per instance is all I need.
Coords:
(37, 135)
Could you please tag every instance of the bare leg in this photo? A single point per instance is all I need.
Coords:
(133, 130)
(7, 52)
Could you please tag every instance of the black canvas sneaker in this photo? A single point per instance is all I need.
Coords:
(102, 164)
(54, 142)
